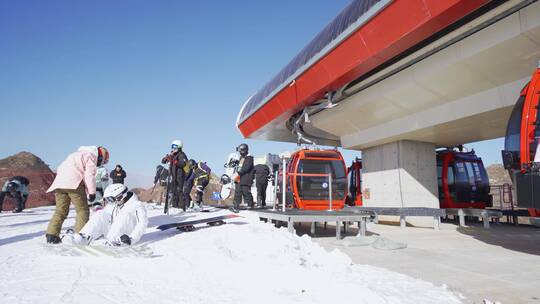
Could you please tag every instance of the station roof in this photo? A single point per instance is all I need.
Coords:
(365, 35)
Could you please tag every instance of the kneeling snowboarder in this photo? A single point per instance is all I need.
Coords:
(122, 222)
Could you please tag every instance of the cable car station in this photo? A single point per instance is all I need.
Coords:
(404, 82)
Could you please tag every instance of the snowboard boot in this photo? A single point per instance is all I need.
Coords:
(234, 209)
(17, 210)
(53, 239)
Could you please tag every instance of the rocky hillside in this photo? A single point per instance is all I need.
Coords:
(36, 170)
(498, 175)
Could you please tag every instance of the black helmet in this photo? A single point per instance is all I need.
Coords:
(243, 149)
(225, 179)
(12, 187)
(192, 163)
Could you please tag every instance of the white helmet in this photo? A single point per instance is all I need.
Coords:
(177, 144)
(115, 193)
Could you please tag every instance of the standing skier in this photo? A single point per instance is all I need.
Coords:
(202, 178)
(189, 181)
(262, 174)
(178, 168)
(75, 176)
(118, 175)
(16, 188)
(243, 179)
(122, 222)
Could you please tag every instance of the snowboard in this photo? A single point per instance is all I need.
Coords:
(101, 250)
(190, 225)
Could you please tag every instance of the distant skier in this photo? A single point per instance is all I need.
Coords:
(160, 181)
(262, 174)
(178, 168)
(189, 182)
(202, 178)
(102, 181)
(118, 175)
(16, 188)
(75, 176)
(122, 222)
(243, 178)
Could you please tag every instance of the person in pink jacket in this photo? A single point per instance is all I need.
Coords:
(75, 177)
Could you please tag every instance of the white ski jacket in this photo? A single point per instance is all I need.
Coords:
(113, 221)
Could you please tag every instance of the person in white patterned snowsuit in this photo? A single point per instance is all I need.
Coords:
(102, 181)
(122, 222)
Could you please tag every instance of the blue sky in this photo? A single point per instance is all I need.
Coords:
(133, 76)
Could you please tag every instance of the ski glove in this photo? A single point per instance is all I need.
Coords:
(125, 239)
(91, 197)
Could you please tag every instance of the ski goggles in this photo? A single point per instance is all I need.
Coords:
(110, 200)
(115, 199)
(175, 147)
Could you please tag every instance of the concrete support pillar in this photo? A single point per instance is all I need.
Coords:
(401, 174)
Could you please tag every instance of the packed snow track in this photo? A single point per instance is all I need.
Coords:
(244, 261)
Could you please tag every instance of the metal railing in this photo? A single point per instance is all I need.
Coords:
(503, 198)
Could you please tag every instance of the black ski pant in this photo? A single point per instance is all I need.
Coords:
(242, 191)
(177, 189)
(20, 199)
(188, 185)
(261, 193)
(200, 185)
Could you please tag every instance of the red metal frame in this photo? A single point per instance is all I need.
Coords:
(528, 123)
(398, 27)
(292, 170)
(448, 157)
(528, 117)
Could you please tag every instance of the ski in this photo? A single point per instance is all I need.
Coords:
(210, 221)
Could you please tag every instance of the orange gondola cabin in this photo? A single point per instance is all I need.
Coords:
(308, 183)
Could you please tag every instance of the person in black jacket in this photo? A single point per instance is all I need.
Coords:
(16, 188)
(118, 175)
(262, 173)
(178, 168)
(189, 181)
(243, 179)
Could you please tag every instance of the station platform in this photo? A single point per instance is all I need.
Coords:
(340, 217)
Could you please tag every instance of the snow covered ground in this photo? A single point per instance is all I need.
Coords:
(245, 261)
